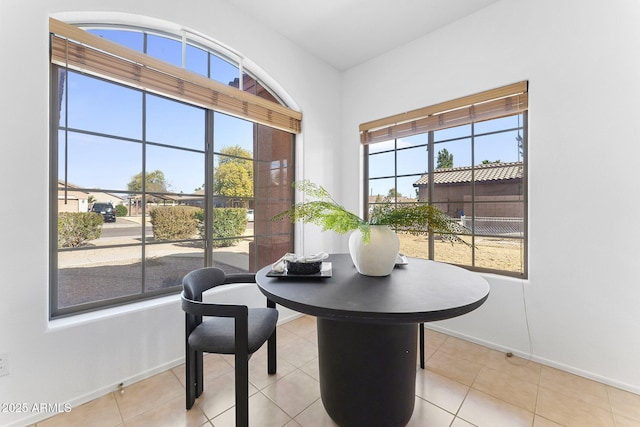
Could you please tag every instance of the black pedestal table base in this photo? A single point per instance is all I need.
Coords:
(367, 365)
(368, 330)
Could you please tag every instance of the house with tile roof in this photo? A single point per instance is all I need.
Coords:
(497, 186)
(72, 199)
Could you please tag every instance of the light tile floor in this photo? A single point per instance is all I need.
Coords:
(463, 385)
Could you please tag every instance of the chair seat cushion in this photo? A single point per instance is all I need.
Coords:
(217, 334)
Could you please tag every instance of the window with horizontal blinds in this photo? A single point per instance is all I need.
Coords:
(468, 158)
(491, 104)
(79, 50)
(125, 145)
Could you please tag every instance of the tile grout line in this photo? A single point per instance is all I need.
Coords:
(535, 409)
(115, 399)
(613, 414)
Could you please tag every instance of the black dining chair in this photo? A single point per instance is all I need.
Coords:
(224, 329)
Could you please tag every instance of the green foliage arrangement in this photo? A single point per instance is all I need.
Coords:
(325, 212)
(77, 228)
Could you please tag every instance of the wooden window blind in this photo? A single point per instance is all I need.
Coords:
(82, 51)
(491, 104)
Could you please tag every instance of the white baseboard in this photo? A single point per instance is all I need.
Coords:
(286, 315)
(34, 418)
(543, 361)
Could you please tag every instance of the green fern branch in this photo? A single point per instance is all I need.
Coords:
(325, 212)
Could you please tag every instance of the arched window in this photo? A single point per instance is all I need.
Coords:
(167, 155)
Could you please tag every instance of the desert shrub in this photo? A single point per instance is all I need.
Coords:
(174, 222)
(121, 210)
(77, 228)
(228, 225)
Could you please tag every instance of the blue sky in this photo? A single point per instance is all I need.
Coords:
(110, 163)
(102, 107)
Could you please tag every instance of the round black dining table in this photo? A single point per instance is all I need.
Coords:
(368, 326)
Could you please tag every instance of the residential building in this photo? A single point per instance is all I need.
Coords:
(493, 183)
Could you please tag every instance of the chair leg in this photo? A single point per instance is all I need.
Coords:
(271, 346)
(421, 345)
(199, 373)
(271, 354)
(191, 376)
(242, 391)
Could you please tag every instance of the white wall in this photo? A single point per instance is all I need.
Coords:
(581, 60)
(77, 359)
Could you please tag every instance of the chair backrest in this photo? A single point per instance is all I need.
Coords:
(197, 281)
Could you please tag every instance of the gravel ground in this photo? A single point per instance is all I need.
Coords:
(78, 285)
(501, 254)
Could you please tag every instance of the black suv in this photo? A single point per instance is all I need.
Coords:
(107, 211)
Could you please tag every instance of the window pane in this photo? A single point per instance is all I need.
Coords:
(98, 274)
(381, 188)
(500, 254)
(222, 71)
(503, 147)
(174, 123)
(454, 199)
(232, 181)
(230, 132)
(382, 164)
(499, 219)
(454, 253)
(197, 60)
(405, 187)
(232, 255)
(166, 264)
(263, 92)
(183, 171)
(414, 246)
(98, 162)
(165, 49)
(412, 161)
(459, 152)
(103, 107)
(251, 85)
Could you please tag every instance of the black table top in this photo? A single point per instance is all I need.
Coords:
(421, 291)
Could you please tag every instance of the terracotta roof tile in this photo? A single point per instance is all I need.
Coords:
(488, 172)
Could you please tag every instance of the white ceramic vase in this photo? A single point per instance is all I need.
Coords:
(378, 257)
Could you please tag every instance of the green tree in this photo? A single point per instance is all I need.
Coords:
(445, 159)
(393, 193)
(489, 162)
(154, 183)
(233, 177)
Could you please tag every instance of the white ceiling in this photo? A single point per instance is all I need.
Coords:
(345, 33)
